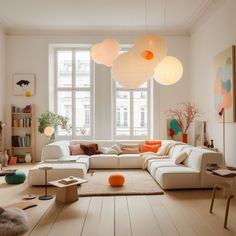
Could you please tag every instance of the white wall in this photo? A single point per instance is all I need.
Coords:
(218, 33)
(29, 54)
(2, 74)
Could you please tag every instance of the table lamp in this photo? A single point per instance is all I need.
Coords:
(48, 132)
(46, 196)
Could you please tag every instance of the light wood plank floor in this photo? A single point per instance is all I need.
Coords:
(182, 212)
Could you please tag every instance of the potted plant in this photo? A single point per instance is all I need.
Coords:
(50, 119)
(184, 115)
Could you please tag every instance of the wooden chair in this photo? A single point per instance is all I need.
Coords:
(230, 193)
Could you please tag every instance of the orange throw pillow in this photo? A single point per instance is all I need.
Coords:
(150, 148)
(153, 142)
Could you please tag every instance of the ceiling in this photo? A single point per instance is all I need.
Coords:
(103, 15)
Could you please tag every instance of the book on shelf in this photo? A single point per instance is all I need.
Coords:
(26, 109)
(224, 172)
(21, 141)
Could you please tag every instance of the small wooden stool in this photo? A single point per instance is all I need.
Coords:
(227, 188)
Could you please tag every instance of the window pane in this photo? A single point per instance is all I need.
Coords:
(140, 113)
(122, 113)
(64, 73)
(83, 113)
(82, 69)
(64, 103)
(144, 85)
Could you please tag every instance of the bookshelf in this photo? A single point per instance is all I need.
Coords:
(23, 132)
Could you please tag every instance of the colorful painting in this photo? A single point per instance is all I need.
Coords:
(199, 133)
(24, 84)
(224, 84)
(174, 131)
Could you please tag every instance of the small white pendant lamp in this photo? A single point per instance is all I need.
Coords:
(168, 71)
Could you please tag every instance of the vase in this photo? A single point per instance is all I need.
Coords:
(5, 159)
(28, 158)
(185, 138)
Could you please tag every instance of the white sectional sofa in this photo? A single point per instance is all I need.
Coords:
(190, 174)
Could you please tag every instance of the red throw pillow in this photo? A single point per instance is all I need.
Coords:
(90, 149)
(153, 142)
(150, 148)
(76, 150)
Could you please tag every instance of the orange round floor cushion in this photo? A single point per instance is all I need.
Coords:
(116, 180)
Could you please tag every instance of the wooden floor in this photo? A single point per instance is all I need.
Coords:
(174, 213)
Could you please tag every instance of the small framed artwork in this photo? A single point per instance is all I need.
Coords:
(199, 133)
(174, 131)
(24, 84)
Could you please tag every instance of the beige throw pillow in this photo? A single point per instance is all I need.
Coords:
(163, 150)
(180, 157)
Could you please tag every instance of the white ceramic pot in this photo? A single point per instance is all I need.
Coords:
(28, 158)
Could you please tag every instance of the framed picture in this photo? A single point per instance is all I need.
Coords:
(24, 84)
(199, 133)
(224, 86)
(174, 131)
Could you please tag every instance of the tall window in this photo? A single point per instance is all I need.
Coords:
(132, 108)
(73, 90)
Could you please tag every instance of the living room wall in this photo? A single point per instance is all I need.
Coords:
(29, 54)
(216, 34)
(2, 74)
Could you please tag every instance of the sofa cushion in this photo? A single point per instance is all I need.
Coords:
(130, 161)
(178, 177)
(153, 142)
(149, 147)
(180, 157)
(103, 161)
(152, 168)
(129, 148)
(90, 149)
(115, 149)
(76, 150)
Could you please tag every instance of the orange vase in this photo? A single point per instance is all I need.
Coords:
(185, 138)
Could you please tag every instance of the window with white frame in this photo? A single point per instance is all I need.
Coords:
(131, 112)
(74, 90)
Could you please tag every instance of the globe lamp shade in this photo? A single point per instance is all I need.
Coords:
(131, 72)
(151, 48)
(48, 131)
(168, 71)
(105, 52)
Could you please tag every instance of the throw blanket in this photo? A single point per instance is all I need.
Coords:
(162, 153)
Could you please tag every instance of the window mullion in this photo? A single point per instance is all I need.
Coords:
(73, 94)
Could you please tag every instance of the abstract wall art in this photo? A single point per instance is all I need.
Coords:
(224, 85)
(174, 131)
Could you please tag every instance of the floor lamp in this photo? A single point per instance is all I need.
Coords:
(222, 113)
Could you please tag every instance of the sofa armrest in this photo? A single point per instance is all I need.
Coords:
(55, 150)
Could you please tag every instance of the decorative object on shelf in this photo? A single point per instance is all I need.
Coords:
(13, 160)
(199, 133)
(224, 87)
(46, 196)
(105, 52)
(184, 115)
(50, 119)
(24, 84)
(28, 157)
(222, 114)
(5, 159)
(212, 144)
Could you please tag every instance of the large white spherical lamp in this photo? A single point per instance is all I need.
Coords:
(48, 131)
(105, 52)
(131, 72)
(168, 71)
(150, 48)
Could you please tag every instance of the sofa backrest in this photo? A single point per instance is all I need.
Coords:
(177, 148)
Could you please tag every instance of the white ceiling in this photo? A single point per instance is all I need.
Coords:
(103, 15)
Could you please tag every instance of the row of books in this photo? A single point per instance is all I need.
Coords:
(21, 141)
(26, 109)
(23, 122)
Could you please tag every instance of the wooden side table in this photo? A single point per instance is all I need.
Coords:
(67, 192)
(230, 191)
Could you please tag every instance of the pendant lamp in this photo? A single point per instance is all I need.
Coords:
(131, 72)
(105, 52)
(168, 71)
